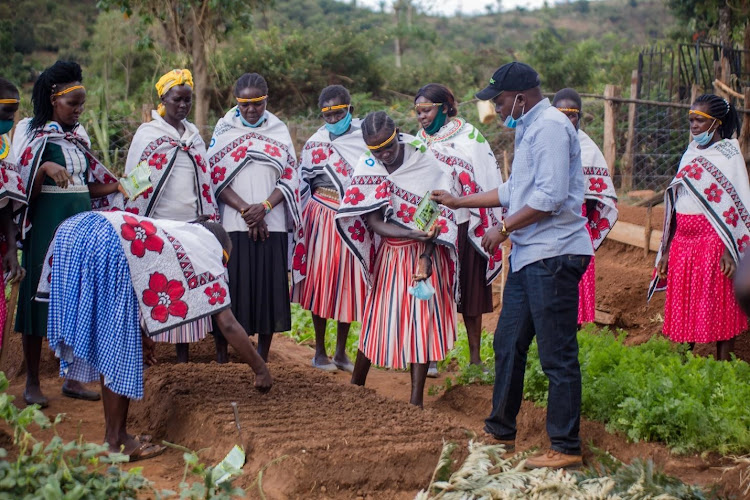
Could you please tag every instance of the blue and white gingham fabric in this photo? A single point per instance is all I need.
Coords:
(93, 311)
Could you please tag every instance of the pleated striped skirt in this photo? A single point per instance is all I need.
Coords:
(397, 328)
(334, 287)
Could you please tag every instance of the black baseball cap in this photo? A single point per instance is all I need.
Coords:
(512, 76)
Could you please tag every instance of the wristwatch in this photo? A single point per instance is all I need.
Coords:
(504, 231)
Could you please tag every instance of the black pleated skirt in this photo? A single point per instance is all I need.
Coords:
(259, 284)
(476, 297)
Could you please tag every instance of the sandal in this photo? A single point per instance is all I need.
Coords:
(328, 367)
(144, 451)
(85, 394)
(344, 367)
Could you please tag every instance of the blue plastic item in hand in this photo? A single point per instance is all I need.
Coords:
(422, 290)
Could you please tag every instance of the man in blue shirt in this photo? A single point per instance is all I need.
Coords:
(550, 252)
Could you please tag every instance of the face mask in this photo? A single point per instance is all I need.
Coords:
(437, 123)
(422, 290)
(341, 126)
(704, 138)
(5, 126)
(511, 122)
(253, 125)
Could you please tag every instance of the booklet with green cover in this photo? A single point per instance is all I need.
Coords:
(137, 181)
(427, 213)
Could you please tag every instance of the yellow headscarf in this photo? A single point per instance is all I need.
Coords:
(172, 79)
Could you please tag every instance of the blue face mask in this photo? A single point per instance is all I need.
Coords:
(704, 138)
(5, 126)
(341, 126)
(511, 122)
(253, 125)
(422, 290)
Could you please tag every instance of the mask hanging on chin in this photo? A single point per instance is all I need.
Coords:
(341, 126)
(511, 122)
(437, 123)
(253, 125)
(704, 138)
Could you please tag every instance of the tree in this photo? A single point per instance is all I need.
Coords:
(193, 28)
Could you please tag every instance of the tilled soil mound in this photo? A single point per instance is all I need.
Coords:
(339, 441)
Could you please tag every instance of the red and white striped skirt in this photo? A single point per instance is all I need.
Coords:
(195, 331)
(700, 304)
(399, 329)
(334, 287)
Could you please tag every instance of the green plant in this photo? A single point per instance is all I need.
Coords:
(302, 332)
(655, 391)
(489, 473)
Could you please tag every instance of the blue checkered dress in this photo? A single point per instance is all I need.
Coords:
(93, 312)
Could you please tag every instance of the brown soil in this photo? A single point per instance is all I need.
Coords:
(334, 440)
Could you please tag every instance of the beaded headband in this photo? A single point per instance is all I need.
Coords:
(252, 99)
(373, 148)
(569, 110)
(69, 89)
(704, 115)
(334, 108)
(9, 101)
(427, 105)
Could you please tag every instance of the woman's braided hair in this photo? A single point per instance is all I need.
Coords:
(251, 80)
(720, 108)
(376, 121)
(334, 92)
(49, 82)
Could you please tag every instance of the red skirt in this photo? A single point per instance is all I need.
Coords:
(334, 286)
(587, 285)
(700, 304)
(399, 329)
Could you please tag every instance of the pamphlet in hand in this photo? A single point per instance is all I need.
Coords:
(427, 213)
(137, 182)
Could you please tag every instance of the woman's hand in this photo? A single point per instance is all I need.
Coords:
(263, 380)
(492, 239)
(444, 198)
(727, 265)
(259, 230)
(149, 350)
(12, 267)
(425, 236)
(424, 268)
(57, 173)
(663, 266)
(253, 214)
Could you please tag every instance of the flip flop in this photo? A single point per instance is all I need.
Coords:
(328, 367)
(85, 394)
(42, 401)
(144, 451)
(344, 367)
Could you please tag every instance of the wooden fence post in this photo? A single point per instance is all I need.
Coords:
(610, 126)
(626, 182)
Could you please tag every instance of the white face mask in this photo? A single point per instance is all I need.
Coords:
(705, 137)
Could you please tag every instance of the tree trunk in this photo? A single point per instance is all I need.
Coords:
(200, 78)
(725, 26)
(397, 40)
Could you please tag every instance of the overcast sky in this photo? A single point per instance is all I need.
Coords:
(449, 7)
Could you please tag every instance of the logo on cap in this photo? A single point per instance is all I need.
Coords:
(492, 81)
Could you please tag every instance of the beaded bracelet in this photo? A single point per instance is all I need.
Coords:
(267, 205)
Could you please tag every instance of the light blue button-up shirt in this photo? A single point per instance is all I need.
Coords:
(547, 176)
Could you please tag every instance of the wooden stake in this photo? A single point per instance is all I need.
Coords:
(628, 160)
(610, 127)
(506, 165)
(745, 132)
(647, 231)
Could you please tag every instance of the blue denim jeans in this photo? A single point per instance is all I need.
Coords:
(540, 299)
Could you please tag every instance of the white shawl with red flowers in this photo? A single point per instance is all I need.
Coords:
(176, 269)
(336, 158)
(157, 143)
(28, 152)
(12, 189)
(235, 146)
(597, 186)
(717, 181)
(463, 148)
(399, 193)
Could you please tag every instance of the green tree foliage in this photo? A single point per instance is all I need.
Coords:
(193, 27)
(561, 64)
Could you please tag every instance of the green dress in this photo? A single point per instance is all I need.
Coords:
(46, 212)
